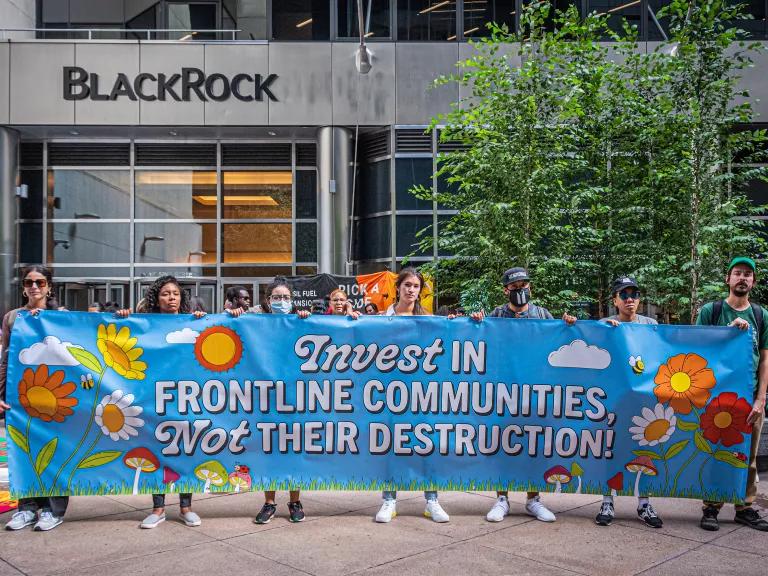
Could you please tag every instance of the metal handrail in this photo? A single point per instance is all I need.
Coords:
(190, 33)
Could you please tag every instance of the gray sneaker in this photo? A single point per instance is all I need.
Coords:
(190, 518)
(47, 522)
(152, 521)
(21, 519)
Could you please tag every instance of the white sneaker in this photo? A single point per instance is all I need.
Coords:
(499, 510)
(190, 518)
(387, 511)
(534, 507)
(47, 522)
(436, 512)
(152, 521)
(21, 519)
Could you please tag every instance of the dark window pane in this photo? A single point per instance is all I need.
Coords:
(306, 242)
(306, 194)
(441, 223)
(757, 192)
(257, 194)
(256, 243)
(373, 195)
(88, 242)
(192, 16)
(657, 28)
(443, 187)
(375, 19)
(410, 172)
(426, 20)
(408, 228)
(301, 20)
(139, 17)
(89, 194)
(175, 194)
(179, 243)
(32, 205)
(372, 238)
(755, 25)
(478, 13)
(562, 6)
(30, 243)
(251, 18)
(617, 12)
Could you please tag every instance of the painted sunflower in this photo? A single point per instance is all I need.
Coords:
(119, 352)
(684, 381)
(725, 419)
(46, 397)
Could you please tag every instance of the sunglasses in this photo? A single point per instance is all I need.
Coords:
(41, 283)
(635, 295)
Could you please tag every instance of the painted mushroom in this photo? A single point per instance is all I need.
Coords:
(141, 460)
(211, 472)
(240, 478)
(169, 477)
(641, 465)
(558, 476)
(577, 471)
(616, 483)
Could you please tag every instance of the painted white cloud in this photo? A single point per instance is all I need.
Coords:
(578, 354)
(50, 351)
(185, 336)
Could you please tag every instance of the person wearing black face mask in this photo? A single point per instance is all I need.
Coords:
(517, 287)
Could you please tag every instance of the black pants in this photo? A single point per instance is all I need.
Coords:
(158, 500)
(56, 505)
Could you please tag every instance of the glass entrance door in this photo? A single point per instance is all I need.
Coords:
(78, 296)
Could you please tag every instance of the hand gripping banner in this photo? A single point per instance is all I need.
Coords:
(165, 403)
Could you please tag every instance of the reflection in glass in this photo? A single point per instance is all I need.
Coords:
(306, 242)
(32, 205)
(557, 5)
(255, 194)
(175, 194)
(410, 172)
(426, 20)
(89, 194)
(256, 243)
(193, 244)
(306, 194)
(372, 238)
(374, 193)
(375, 19)
(301, 20)
(408, 237)
(191, 16)
(477, 14)
(30, 243)
(88, 242)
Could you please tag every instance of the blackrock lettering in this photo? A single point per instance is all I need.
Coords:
(79, 84)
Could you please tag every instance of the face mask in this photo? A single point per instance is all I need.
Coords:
(282, 307)
(520, 297)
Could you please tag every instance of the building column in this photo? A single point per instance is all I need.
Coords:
(9, 144)
(334, 156)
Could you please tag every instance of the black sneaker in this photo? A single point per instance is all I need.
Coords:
(648, 515)
(709, 519)
(266, 514)
(750, 517)
(605, 516)
(296, 511)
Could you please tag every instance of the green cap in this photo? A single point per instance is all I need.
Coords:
(742, 260)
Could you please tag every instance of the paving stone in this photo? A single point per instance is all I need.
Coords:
(744, 539)
(709, 559)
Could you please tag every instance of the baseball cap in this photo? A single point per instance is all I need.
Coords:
(742, 260)
(623, 282)
(514, 275)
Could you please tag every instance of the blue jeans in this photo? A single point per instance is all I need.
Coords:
(392, 495)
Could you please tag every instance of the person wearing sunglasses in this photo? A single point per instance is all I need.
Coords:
(626, 299)
(37, 290)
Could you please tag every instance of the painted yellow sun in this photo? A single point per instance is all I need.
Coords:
(218, 348)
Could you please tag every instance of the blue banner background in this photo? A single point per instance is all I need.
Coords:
(81, 426)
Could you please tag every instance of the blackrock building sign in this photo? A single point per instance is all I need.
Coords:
(79, 84)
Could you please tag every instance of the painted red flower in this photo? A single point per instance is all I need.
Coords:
(725, 419)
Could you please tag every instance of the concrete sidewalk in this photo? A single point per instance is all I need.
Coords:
(101, 536)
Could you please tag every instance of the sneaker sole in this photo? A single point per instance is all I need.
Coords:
(709, 528)
(193, 524)
(650, 525)
(494, 519)
(150, 526)
(603, 523)
(12, 529)
(540, 519)
(267, 521)
(295, 521)
(382, 521)
(51, 527)
(745, 523)
(428, 515)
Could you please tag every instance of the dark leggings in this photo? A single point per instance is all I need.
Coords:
(185, 500)
(56, 505)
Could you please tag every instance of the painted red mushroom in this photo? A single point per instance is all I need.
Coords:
(641, 465)
(141, 460)
(616, 483)
(557, 475)
(169, 477)
(240, 478)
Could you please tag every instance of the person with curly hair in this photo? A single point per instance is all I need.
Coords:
(166, 296)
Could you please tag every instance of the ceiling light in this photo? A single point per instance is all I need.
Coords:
(248, 200)
(184, 178)
(173, 133)
(369, 34)
(74, 133)
(304, 23)
(435, 6)
(475, 29)
(272, 133)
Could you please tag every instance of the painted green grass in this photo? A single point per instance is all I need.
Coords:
(455, 484)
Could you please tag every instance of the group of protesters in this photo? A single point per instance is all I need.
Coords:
(166, 296)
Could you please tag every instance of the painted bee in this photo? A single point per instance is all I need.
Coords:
(86, 381)
(638, 366)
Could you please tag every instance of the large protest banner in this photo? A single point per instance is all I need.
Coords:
(167, 403)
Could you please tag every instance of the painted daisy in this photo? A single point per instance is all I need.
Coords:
(117, 418)
(654, 426)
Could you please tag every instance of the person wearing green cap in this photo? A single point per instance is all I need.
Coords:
(736, 310)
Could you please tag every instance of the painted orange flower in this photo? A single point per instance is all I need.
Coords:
(725, 419)
(44, 396)
(684, 381)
